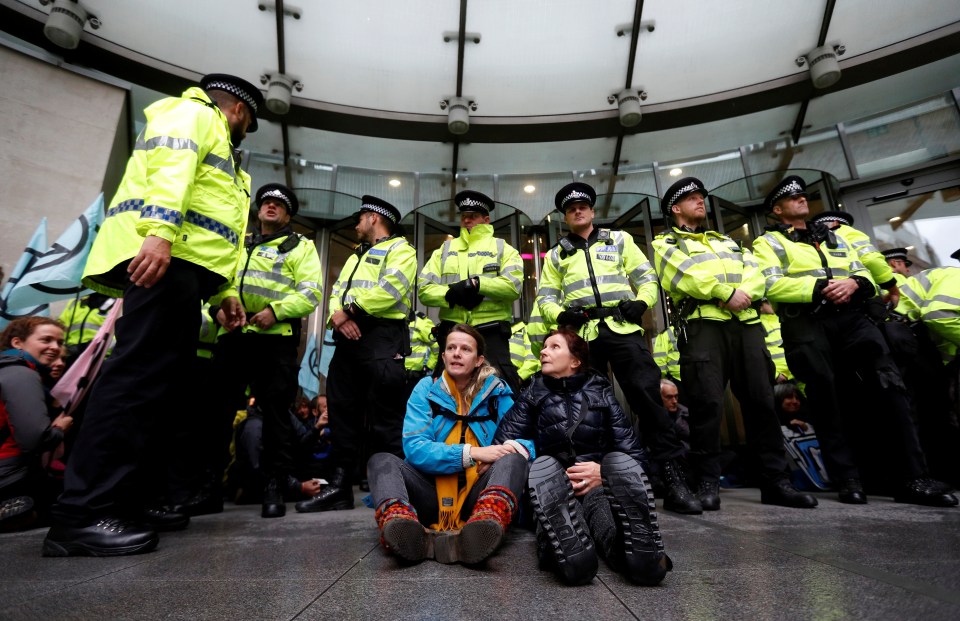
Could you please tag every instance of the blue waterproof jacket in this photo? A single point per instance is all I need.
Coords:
(430, 417)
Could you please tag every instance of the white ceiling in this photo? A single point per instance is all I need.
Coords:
(537, 61)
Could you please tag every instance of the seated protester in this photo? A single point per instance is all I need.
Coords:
(452, 479)
(586, 450)
(244, 477)
(670, 394)
(790, 408)
(312, 445)
(29, 346)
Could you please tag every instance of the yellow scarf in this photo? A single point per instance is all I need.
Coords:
(450, 497)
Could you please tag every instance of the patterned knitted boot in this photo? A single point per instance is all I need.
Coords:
(484, 531)
(400, 530)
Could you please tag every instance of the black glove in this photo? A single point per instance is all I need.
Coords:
(471, 299)
(456, 293)
(572, 319)
(633, 310)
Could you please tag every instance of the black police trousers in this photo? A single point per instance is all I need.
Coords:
(639, 378)
(267, 364)
(366, 394)
(713, 354)
(835, 353)
(142, 380)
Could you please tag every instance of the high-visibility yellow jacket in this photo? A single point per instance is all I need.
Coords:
(707, 266)
(424, 349)
(601, 271)
(378, 279)
(666, 354)
(83, 321)
(474, 253)
(771, 325)
(880, 272)
(181, 184)
(208, 333)
(282, 271)
(537, 331)
(521, 354)
(792, 268)
(934, 296)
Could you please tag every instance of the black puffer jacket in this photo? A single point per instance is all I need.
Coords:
(550, 407)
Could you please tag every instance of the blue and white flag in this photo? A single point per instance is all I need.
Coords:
(309, 377)
(56, 273)
(37, 245)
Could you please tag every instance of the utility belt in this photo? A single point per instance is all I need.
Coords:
(488, 329)
(598, 312)
(823, 308)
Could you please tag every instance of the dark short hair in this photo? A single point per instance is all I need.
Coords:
(22, 327)
(578, 347)
(784, 390)
(470, 331)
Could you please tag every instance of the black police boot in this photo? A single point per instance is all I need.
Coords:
(558, 514)
(337, 496)
(926, 492)
(163, 518)
(709, 495)
(850, 492)
(677, 497)
(273, 505)
(638, 533)
(108, 536)
(784, 494)
(204, 502)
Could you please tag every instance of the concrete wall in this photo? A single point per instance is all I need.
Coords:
(58, 139)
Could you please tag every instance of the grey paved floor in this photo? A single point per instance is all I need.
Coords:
(749, 561)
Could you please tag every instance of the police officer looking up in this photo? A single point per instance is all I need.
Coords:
(369, 306)
(716, 288)
(170, 238)
(599, 283)
(475, 279)
(278, 283)
(820, 288)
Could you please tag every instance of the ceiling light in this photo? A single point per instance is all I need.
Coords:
(629, 101)
(824, 68)
(65, 23)
(458, 114)
(908, 248)
(529, 189)
(394, 183)
(675, 172)
(279, 89)
(895, 219)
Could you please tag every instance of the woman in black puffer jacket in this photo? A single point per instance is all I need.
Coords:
(587, 484)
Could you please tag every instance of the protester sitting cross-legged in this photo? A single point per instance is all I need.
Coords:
(452, 481)
(30, 347)
(588, 486)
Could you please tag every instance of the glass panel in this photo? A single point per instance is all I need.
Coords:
(820, 150)
(531, 194)
(437, 186)
(379, 183)
(925, 224)
(639, 180)
(737, 223)
(307, 174)
(325, 206)
(713, 170)
(904, 137)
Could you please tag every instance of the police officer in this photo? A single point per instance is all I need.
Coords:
(278, 283)
(521, 352)
(170, 238)
(667, 356)
(820, 287)
(424, 351)
(898, 260)
(716, 289)
(83, 318)
(841, 223)
(598, 282)
(369, 306)
(475, 279)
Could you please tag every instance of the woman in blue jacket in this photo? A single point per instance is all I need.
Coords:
(587, 485)
(455, 495)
